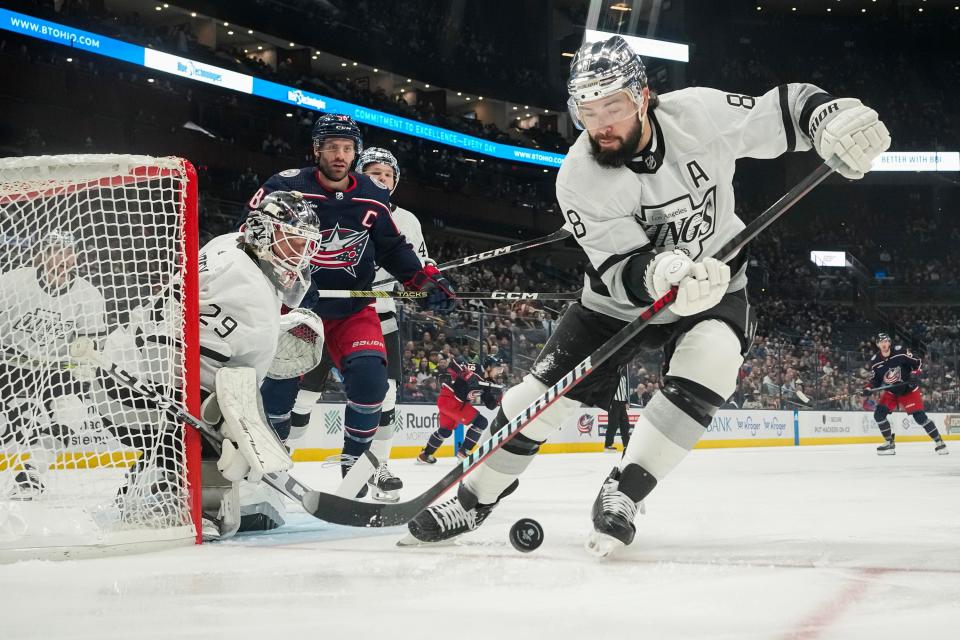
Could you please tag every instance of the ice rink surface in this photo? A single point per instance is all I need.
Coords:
(810, 542)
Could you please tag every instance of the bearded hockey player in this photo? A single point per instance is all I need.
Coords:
(358, 234)
(455, 405)
(896, 369)
(42, 400)
(647, 192)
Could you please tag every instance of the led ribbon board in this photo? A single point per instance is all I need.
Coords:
(207, 73)
(202, 72)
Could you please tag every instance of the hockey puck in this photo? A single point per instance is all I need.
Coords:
(526, 535)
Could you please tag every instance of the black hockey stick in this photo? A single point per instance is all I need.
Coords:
(360, 514)
(83, 349)
(463, 295)
(559, 234)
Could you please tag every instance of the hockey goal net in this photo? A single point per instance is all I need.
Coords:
(104, 247)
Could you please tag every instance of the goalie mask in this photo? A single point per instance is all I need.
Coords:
(601, 70)
(284, 234)
(56, 257)
(378, 155)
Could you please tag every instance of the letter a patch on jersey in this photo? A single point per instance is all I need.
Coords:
(681, 223)
(340, 249)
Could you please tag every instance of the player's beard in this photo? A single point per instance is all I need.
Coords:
(620, 156)
(328, 172)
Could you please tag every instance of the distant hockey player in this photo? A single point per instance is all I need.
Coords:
(897, 367)
(382, 166)
(46, 305)
(358, 234)
(455, 405)
(647, 191)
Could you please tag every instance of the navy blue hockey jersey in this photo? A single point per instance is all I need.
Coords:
(358, 234)
(466, 385)
(897, 367)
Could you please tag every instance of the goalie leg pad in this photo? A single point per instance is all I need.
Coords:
(245, 423)
(220, 499)
(261, 508)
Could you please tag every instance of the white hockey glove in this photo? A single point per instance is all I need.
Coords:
(852, 132)
(700, 285)
(299, 346)
(232, 464)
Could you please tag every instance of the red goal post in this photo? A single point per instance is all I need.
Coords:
(102, 246)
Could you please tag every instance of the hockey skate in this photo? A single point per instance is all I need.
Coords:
(426, 458)
(209, 530)
(445, 521)
(384, 486)
(888, 448)
(27, 484)
(941, 448)
(462, 453)
(613, 515)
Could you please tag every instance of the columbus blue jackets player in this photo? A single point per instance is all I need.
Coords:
(357, 235)
(455, 405)
(895, 369)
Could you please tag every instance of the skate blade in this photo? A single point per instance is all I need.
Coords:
(886, 453)
(410, 541)
(943, 452)
(600, 545)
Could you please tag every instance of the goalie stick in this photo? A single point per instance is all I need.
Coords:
(359, 514)
(467, 295)
(559, 234)
(83, 350)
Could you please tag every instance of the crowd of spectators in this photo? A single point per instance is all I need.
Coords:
(808, 341)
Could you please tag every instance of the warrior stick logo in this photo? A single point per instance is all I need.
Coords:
(340, 249)
(681, 223)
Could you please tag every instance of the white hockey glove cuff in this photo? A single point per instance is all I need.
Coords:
(700, 285)
(852, 132)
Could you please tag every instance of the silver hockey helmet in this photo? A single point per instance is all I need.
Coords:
(283, 231)
(601, 69)
(373, 155)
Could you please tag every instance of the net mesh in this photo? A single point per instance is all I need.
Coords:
(91, 246)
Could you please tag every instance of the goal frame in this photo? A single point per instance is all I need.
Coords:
(139, 169)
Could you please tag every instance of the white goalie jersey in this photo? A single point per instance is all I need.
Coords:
(680, 195)
(239, 311)
(410, 227)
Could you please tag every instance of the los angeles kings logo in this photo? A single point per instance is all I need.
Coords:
(681, 223)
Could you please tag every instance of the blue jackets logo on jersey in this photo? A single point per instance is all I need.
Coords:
(340, 249)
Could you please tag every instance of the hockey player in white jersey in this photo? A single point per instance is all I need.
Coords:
(46, 305)
(381, 165)
(647, 192)
(244, 279)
